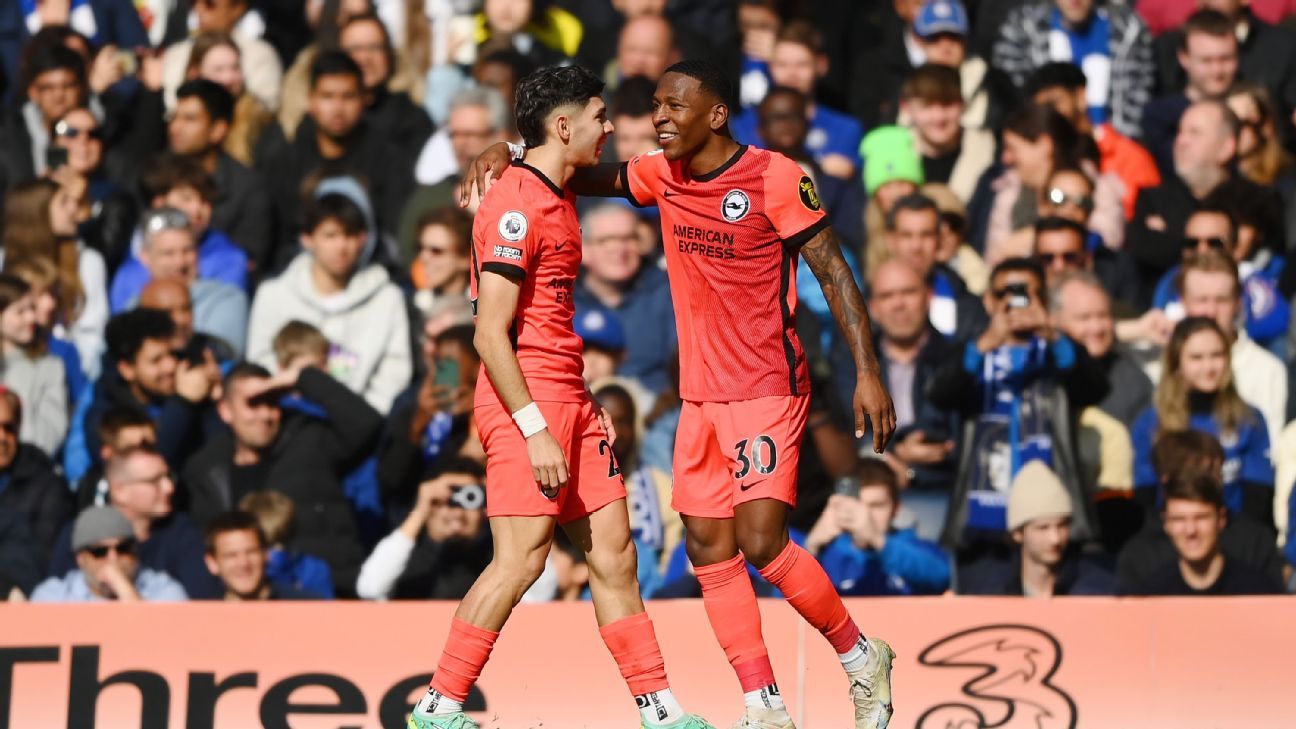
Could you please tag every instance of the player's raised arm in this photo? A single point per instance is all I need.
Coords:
(601, 180)
(823, 254)
(497, 299)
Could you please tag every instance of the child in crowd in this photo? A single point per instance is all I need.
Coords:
(29, 370)
(276, 513)
(299, 345)
(334, 286)
(41, 275)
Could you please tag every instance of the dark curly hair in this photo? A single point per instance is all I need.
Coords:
(550, 88)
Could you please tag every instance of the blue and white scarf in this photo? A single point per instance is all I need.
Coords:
(80, 18)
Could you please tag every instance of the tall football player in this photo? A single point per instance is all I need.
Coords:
(548, 449)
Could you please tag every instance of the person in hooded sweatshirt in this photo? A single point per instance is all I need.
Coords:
(333, 286)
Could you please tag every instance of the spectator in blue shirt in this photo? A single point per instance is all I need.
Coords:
(170, 250)
(616, 279)
(184, 184)
(107, 565)
(290, 570)
(238, 554)
(1213, 227)
(798, 62)
(860, 547)
(1197, 392)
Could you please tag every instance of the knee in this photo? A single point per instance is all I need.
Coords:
(762, 548)
(613, 563)
(702, 552)
(521, 571)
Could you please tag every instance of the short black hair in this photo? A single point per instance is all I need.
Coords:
(338, 207)
(1022, 264)
(913, 202)
(120, 417)
(710, 77)
(1054, 75)
(335, 63)
(243, 371)
(1215, 205)
(777, 91)
(633, 97)
(1052, 224)
(232, 521)
(1193, 485)
(216, 99)
(550, 88)
(126, 333)
(46, 57)
(167, 172)
(461, 464)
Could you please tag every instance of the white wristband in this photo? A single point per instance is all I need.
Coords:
(530, 420)
(516, 150)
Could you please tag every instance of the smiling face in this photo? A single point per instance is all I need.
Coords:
(898, 301)
(221, 65)
(589, 128)
(78, 133)
(1212, 294)
(1194, 528)
(795, 66)
(366, 43)
(685, 116)
(143, 487)
(1084, 314)
(239, 559)
(915, 238)
(171, 253)
(1203, 361)
(18, 322)
(254, 420)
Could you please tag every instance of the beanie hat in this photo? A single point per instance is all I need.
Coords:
(889, 154)
(1037, 493)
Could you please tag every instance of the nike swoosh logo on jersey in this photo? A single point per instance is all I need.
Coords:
(666, 193)
(745, 486)
(559, 246)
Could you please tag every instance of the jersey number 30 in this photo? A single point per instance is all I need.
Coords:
(762, 456)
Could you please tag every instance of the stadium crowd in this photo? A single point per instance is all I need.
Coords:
(236, 345)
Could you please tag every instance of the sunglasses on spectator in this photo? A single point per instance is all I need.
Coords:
(67, 131)
(434, 251)
(1215, 244)
(1071, 258)
(124, 548)
(156, 221)
(1059, 197)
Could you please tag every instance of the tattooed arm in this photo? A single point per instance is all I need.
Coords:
(823, 254)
